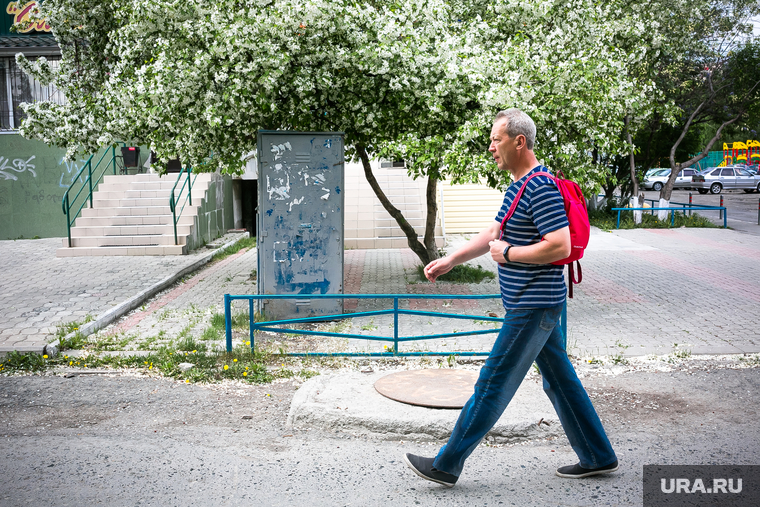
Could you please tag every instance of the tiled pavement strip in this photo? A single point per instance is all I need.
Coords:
(643, 291)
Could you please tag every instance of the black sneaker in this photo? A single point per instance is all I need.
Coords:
(577, 471)
(424, 468)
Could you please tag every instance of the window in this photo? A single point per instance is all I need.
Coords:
(727, 172)
(16, 87)
(689, 172)
(393, 164)
(715, 172)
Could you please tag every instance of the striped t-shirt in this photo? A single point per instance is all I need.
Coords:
(540, 211)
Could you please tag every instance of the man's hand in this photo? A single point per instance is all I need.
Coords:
(437, 268)
(497, 250)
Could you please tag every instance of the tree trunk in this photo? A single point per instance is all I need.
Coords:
(432, 212)
(411, 235)
(636, 200)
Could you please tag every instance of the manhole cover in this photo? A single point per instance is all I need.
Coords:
(429, 388)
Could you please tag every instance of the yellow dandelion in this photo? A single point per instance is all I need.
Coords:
(195, 351)
(146, 362)
(44, 357)
(247, 343)
(65, 357)
(234, 360)
(71, 362)
(246, 367)
(245, 373)
(150, 367)
(187, 381)
(226, 367)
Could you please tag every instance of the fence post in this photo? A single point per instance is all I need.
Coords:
(113, 158)
(228, 322)
(250, 321)
(689, 203)
(721, 205)
(395, 325)
(672, 217)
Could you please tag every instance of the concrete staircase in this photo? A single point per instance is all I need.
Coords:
(131, 216)
(368, 225)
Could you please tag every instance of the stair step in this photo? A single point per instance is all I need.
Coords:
(137, 211)
(129, 230)
(121, 250)
(134, 240)
(133, 220)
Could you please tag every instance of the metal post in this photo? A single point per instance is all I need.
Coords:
(618, 221)
(190, 187)
(721, 205)
(89, 178)
(68, 217)
(563, 325)
(113, 158)
(251, 317)
(689, 203)
(758, 212)
(228, 322)
(395, 325)
(672, 217)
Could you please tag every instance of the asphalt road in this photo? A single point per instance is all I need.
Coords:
(122, 439)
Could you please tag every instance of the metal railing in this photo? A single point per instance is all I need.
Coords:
(174, 201)
(90, 184)
(274, 326)
(680, 207)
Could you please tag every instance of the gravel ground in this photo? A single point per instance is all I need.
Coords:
(126, 439)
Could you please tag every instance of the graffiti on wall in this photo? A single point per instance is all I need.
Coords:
(18, 165)
(72, 168)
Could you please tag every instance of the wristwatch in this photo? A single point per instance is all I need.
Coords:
(506, 253)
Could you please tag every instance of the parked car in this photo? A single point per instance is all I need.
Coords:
(716, 179)
(657, 180)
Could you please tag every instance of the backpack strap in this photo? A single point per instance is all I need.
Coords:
(516, 201)
(571, 277)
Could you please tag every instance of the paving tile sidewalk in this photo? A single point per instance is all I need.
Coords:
(39, 291)
(643, 291)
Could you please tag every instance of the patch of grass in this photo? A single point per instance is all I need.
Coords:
(77, 341)
(26, 362)
(211, 334)
(463, 273)
(217, 321)
(233, 249)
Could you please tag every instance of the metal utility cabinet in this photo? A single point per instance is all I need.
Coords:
(300, 221)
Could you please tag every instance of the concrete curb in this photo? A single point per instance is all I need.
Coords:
(52, 348)
(348, 402)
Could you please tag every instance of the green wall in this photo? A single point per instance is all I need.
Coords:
(33, 178)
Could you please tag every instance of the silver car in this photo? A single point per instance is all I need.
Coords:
(657, 180)
(717, 179)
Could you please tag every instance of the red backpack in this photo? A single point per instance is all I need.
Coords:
(577, 216)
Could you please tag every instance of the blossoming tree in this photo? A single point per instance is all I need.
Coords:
(196, 80)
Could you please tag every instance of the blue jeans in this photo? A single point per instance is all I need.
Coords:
(528, 335)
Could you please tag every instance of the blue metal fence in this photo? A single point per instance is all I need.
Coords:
(274, 326)
(680, 207)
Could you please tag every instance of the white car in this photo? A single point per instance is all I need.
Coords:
(658, 179)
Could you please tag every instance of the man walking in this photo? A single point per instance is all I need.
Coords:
(533, 293)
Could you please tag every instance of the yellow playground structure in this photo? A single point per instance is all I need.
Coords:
(741, 153)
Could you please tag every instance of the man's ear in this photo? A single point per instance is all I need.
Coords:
(520, 142)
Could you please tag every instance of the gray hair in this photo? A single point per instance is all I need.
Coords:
(518, 123)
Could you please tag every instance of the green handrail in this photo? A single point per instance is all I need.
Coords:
(188, 200)
(67, 203)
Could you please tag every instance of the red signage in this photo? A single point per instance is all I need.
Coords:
(21, 13)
